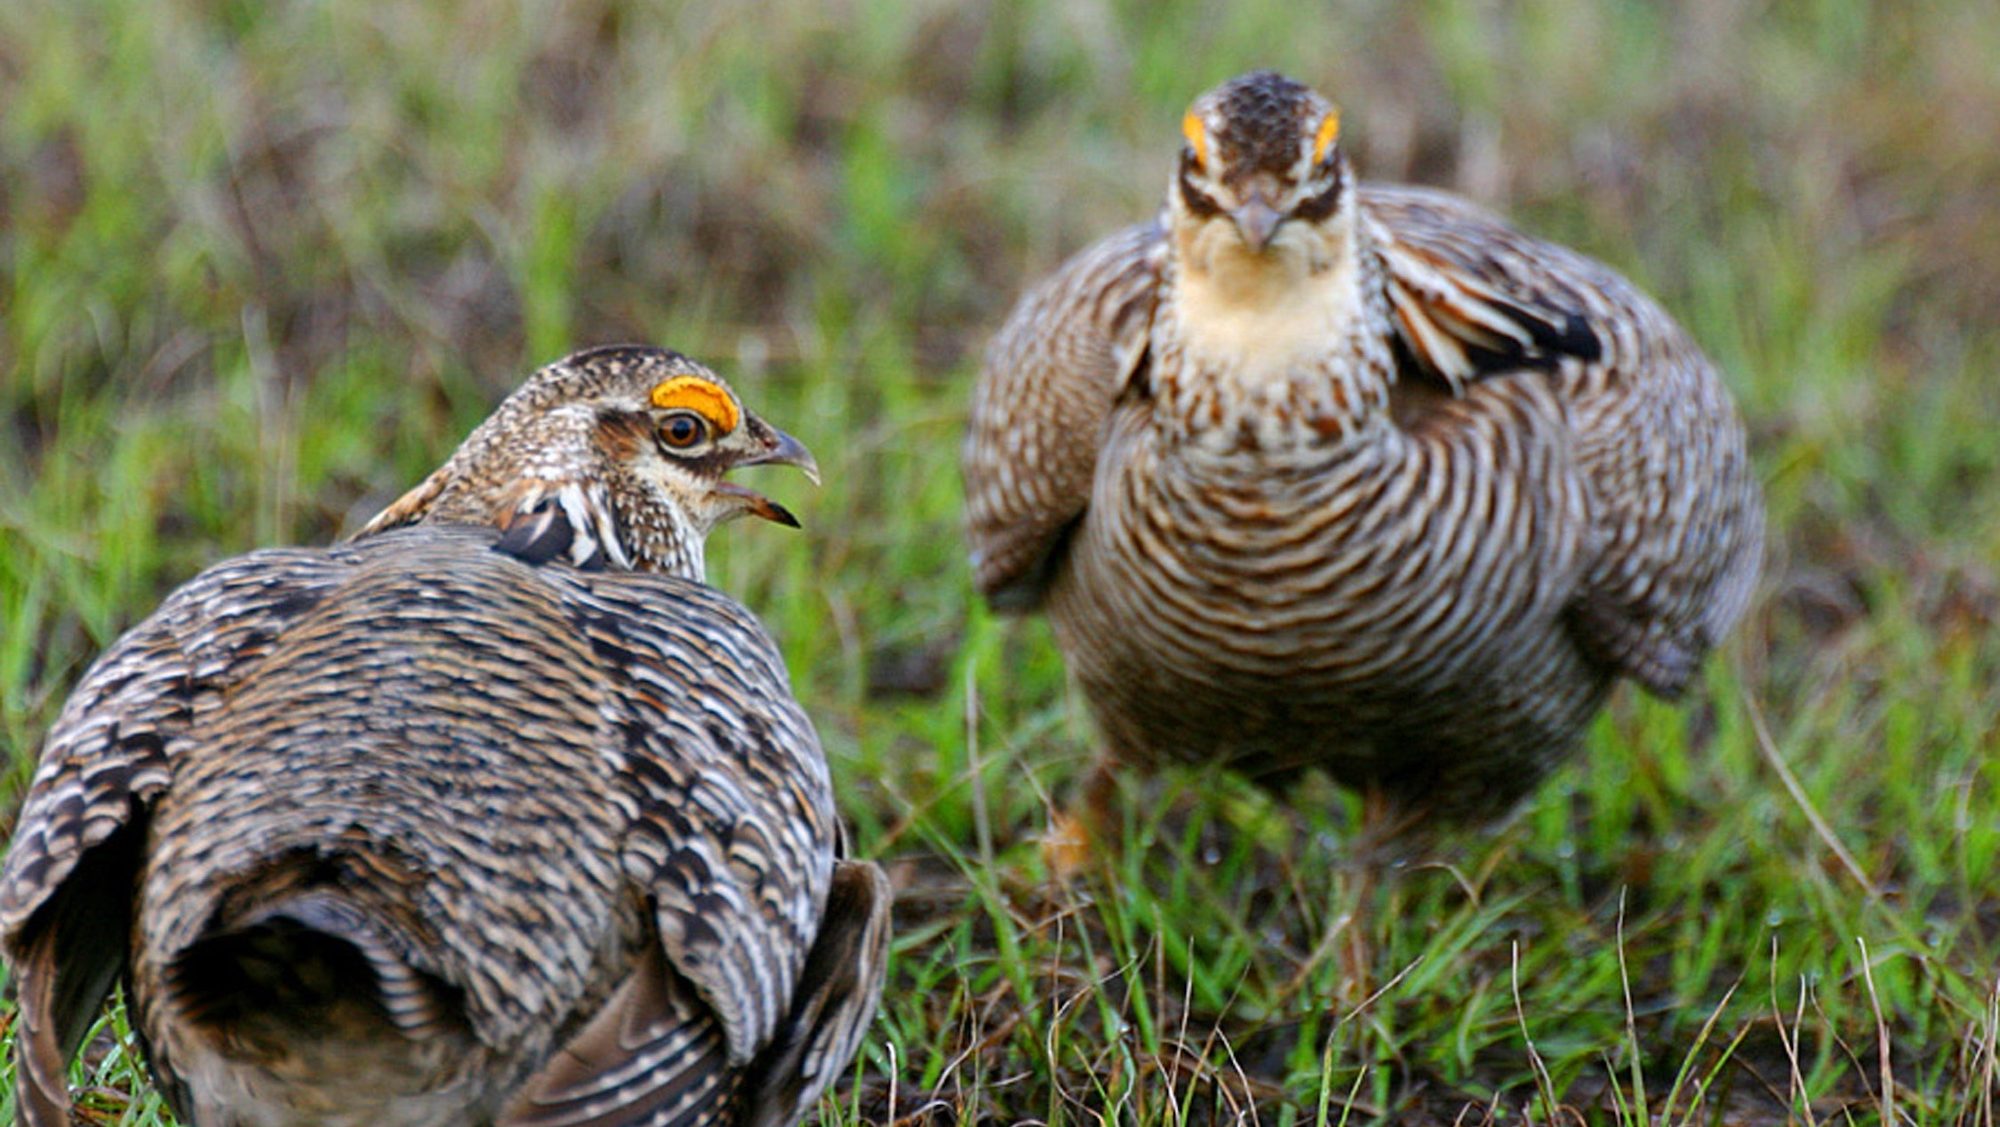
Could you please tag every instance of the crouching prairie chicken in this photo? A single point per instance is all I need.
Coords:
(500, 818)
(1315, 473)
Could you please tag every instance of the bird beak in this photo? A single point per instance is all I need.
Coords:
(756, 504)
(781, 449)
(1256, 222)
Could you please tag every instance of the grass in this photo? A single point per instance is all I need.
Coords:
(253, 288)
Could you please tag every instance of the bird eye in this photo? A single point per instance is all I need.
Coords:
(1324, 199)
(1199, 203)
(1196, 133)
(683, 429)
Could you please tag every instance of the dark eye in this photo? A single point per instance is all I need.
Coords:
(682, 430)
(1199, 203)
(1322, 202)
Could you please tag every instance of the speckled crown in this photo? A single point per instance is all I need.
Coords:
(1259, 119)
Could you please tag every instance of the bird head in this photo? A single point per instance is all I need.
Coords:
(611, 457)
(1261, 174)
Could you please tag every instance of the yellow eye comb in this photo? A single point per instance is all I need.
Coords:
(1197, 136)
(703, 397)
(1329, 128)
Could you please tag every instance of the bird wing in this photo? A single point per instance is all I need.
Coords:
(1676, 527)
(836, 999)
(67, 886)
(650, 1055)
(1469, 296)
(734, 831)
(540, 519)
(1065, 354)
(654, 1055)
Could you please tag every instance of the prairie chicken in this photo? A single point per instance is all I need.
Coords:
(1313, 473)
(413, 830)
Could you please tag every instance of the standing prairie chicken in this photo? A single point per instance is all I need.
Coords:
(1312, 473)
(436, 827)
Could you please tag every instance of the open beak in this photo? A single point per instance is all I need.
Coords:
(779, 449)
(756, 504)
(1256, 222)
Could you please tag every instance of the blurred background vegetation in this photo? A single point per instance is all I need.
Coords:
(262, 264)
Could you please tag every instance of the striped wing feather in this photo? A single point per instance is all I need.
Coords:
(735, 833)
(836, 1000)
(66, 890)
(1457, 311)
(652, 1055)
(1653, 427)
(1051, 375)
(785, 948)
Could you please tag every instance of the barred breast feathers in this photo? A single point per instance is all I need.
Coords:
(1470, 298)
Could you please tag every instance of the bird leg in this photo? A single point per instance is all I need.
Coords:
(1078, 832)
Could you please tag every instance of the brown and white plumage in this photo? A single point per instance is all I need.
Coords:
(1317, 473)
(424, 828)
(611, 457)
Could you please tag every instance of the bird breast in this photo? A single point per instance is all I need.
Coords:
(1355, 561)
(1258, 316)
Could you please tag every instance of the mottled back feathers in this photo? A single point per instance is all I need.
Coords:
(493, 814)
(577, 762)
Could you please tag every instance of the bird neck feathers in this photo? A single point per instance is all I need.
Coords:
(1278, 349)
(565, 465)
